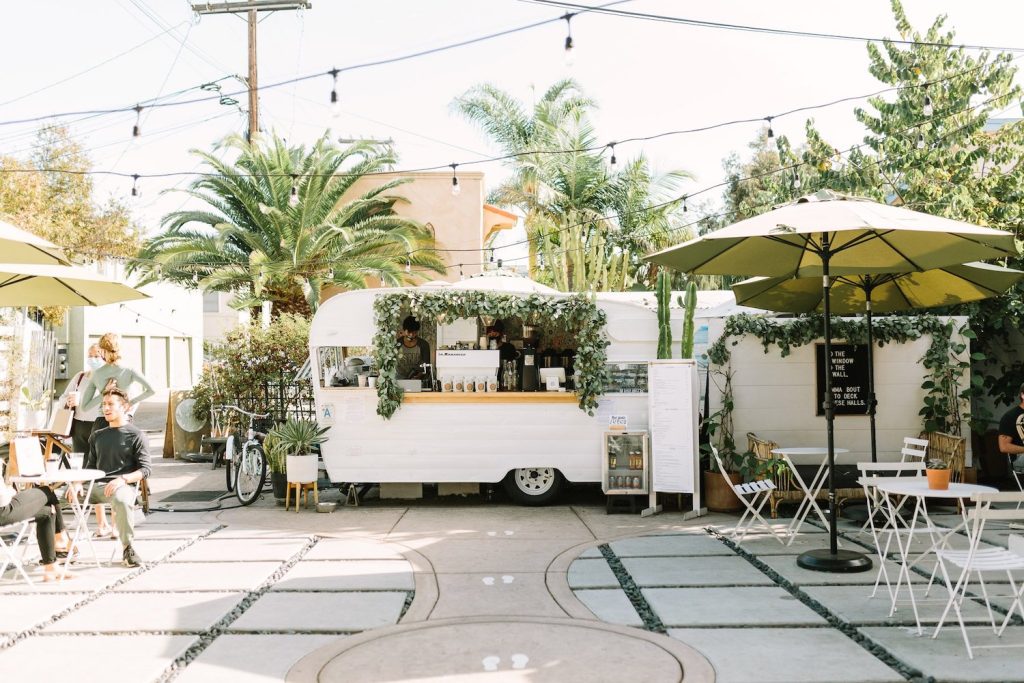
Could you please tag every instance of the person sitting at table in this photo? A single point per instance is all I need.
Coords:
(1011, 433)
(120, 450)
(41, 504)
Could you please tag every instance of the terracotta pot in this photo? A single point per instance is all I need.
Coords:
(938, 479)
(718, 496)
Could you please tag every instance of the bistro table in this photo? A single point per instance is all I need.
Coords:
(917, 488)
(80, 508)
(810, 492)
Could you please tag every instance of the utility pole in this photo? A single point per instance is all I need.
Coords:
(252, 8)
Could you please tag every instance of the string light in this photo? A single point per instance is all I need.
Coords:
(771, 133)
(462, 276)
(612, 161)
(456, 190)
(569, 57)
(492, 255)
(920, 140)
(408, 263)
(136, 129)
(684, 204)
(293, 198)
(335, 107)
(499, 264)
(796, 180)
(135, 185)
(927, 110)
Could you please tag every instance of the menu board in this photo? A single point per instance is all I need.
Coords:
(849, 378)
(672, 423)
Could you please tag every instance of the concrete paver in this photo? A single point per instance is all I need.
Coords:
(512, 594)
(853, 604)
(945, 657)
(138, 657)
(787, 567)
(244, 658)
(588, 573)
(235, 550)
(85, 579)
(612, 606)
(733, 606)
(768, 545)
(352, 549)
(680, 545)
(693, 571)
(812, 655)
(181, 612)
(491, 555)
(210, 576)
(490, 521)
(321, 611)
(348, 575)
(21, 611)
(172, 530)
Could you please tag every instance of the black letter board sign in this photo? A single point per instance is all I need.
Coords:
(849, 378)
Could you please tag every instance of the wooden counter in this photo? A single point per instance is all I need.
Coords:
(493, 397)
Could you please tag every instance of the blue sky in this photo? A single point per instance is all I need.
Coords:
(647, 77)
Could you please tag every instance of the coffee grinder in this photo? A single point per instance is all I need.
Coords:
(528, 368)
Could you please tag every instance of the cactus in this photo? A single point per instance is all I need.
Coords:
(690, 306)
(664, 296)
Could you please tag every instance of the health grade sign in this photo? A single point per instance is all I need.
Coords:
(849, 378)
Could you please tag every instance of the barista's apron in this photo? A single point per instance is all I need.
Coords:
(409, 360)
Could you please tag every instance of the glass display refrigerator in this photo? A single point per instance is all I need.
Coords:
(626, 466)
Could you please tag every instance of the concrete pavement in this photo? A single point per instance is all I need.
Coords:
(467, 590)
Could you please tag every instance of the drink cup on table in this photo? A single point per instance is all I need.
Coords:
(77, 460)
(52, 465)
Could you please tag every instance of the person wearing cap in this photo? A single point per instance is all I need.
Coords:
(413, 352)
(497, 332)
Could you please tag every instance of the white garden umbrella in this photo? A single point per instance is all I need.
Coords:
(503, 281)
(21, 246)
(829, 234)
(23, 284)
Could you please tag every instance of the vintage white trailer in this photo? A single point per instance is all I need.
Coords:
(533, 441)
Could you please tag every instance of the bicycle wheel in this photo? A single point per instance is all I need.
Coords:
(229, 459)
(250, 473)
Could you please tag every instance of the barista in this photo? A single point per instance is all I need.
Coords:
(506, 350)
(413, 352)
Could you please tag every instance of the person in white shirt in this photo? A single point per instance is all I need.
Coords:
(83, 422)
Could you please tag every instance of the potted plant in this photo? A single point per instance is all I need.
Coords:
(297, 438)
(937, 472)
(33, 409)
(275, 453)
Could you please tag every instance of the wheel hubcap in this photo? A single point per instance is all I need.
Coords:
(535, 480)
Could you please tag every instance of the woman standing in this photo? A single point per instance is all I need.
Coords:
(82, 424)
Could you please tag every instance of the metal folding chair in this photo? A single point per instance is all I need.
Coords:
(978, 560)
(914, 450)
(754, 495)
(9, 555)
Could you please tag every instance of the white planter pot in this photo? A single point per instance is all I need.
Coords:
(301, 469)
(31, 419)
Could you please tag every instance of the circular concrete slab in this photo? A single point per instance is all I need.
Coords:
(505, 649)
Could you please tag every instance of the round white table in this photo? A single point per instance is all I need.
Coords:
(810, 492)
(917, 488)
(80, 508)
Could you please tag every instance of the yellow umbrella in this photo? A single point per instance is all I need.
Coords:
(828, 234)
(24, 284)
(21, 246)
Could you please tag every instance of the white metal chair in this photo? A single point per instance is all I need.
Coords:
(914, 450)
(9, 555)
(977, 559)
(753, 495)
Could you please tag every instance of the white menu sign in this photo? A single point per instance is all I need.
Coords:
(672, 421)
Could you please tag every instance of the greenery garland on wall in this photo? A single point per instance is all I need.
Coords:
(944, 400)
(578, 313)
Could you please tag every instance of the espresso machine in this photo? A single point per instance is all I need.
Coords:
(528, 368)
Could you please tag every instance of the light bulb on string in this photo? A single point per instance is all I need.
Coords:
(136, 192)
(462, 275)
(499, 264)
(335, 107)
(927, 109)
(920, 140)
(492, 255)
(136, 129)
(408, 263)
(293, 198)
(796, 180)
(570, 58)
(685, 208)
(771, 133)
(612, 161)
(456, 190)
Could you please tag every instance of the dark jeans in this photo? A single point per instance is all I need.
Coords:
(80, 433)
(39, 503)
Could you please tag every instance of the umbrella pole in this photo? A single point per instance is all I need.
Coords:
(832, 560)
(871, 376)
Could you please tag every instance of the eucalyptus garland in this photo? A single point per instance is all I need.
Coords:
(577, 313)
(941, 410)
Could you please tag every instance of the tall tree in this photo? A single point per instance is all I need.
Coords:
(587, 224)
(279, 226)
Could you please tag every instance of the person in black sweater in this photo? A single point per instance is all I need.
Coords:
(119, 450)
(1011, 433)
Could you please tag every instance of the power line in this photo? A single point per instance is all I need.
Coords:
(700, 23)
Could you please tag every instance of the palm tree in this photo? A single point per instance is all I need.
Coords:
(279, 227)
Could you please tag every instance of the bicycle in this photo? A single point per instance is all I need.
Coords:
(250, 466)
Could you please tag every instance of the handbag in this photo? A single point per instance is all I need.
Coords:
(60, 424)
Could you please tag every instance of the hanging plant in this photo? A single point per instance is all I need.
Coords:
(944, 399)
(577, 313)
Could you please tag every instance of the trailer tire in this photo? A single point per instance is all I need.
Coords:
(533, 486)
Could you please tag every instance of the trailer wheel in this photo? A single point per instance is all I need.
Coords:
(534, 485)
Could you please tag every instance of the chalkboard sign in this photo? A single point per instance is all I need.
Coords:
(849, 378)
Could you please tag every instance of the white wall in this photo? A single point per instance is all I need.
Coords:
(774, 397)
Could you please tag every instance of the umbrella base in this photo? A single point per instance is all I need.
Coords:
(842, 562)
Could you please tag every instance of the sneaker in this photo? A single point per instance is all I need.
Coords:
(130, 558)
